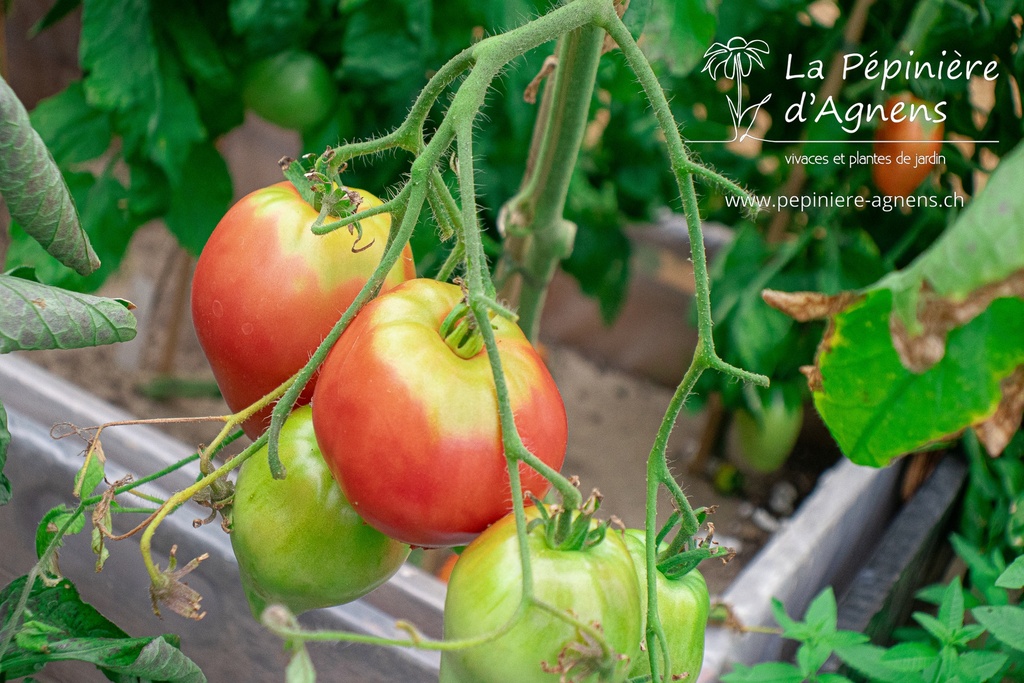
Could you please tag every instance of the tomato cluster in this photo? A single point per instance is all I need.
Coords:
(402, 445)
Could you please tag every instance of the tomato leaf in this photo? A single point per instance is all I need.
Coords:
(90, 476)
(268, 25)
(50, 526)
(907, 411)
(37, 316)
(35, 191)
(72, 129)
(195, 46)
(200, 199)
(106, 222)
(5, 441)
(118, 52)
(63, 627)
(928, 351)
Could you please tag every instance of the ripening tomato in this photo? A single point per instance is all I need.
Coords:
(297, 540)
(597, 584)
(266, 290)
(683, 606)
(908, 119)
(410, 427)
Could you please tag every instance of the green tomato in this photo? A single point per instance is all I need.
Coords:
(683, 605)
(297, 540)
(597, 584)
(766, 440)
(292, 89)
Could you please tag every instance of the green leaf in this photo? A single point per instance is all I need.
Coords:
(877, 409)
(833, 678)
(909, 657)
(636, 16)
(982, 666)
(106, 222)
(63, 627)
(375, 51)
(821, 613)
(1005, 622)
(200, 200)
(34, 189)
(35, 316)
(923, 353)
(868, 660)
(678, 32)
(769, 672)
(196, 47)
(984, 248)
(60, 9)
(119, 55)
(935, 627)
(268, 25)
(5, 441)
(51, 524)
(89, 477)
(73, 130)
(175, 125)
(1013, 577)
(300, 667)
(951, 610)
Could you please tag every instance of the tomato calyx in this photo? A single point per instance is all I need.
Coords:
(685, 552)
(570, 529)
(460, 332)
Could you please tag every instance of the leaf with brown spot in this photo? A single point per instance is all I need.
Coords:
(995, 433)
(806, 306)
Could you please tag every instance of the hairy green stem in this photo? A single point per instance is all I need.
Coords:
(538, 236)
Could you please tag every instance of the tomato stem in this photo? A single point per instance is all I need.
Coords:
(538, 237)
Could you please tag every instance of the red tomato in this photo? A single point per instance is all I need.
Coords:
(267, 290)
(410, 428)
(899, 180)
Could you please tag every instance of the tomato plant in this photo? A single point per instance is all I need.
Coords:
(297, 540)
(596, 583)
(266, 290)
(907, 119)
(765, 438)
(292, 89)
(683, 605)
(408, 420)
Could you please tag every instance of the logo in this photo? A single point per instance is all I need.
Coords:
(736, 60)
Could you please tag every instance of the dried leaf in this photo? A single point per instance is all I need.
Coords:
(805, 306)
(174, 593)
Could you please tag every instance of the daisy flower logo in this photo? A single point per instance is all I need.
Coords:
(735, 60)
